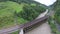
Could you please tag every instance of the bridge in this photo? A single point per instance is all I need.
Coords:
(28, 26)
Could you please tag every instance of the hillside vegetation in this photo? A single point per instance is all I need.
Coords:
(56, 20)
(7, 13)
(14, 12)
(56, 8)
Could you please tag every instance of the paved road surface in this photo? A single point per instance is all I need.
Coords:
(9, 30)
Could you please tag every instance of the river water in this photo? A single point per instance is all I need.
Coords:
(42, 29)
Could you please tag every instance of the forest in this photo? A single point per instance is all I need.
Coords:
(14, 12)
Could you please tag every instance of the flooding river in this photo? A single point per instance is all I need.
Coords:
(42, 29)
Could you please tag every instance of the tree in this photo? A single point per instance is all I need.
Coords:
(56, 8)
(30, 12)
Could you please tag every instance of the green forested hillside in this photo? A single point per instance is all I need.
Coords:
(30, 12)
(56, 8)
(56, 20)
(7, 13)
(18, 10)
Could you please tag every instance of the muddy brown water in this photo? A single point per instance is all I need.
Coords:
(42, 29)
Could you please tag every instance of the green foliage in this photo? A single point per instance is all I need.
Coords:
(21, 21)
(56, 7)
(7, 13)
(17, 32)
(30, 12)
(25, 1)
(25, 11)
(57, 16)
(21, 11)
(53, 25)
(3, 0)
(10, 5)
(6, 19)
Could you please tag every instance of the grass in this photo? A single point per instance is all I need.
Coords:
(21, 20)
(17, 32)
(53, 26)
(6, 19)
(9, 10)
(7, 15)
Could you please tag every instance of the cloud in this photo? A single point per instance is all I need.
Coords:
(46, 2)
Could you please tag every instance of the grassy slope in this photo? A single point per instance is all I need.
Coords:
(56, 8)
(17, 32)
(53, 25)
(7, 10)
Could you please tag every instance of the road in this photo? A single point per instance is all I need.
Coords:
(9, 30)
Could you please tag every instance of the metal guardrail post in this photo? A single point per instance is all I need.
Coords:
(21, 31)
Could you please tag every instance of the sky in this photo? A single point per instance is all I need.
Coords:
(46, 2)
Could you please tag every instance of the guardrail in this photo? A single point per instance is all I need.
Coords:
(33, 22)
(28, 26)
